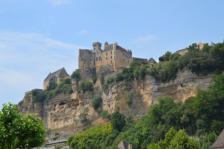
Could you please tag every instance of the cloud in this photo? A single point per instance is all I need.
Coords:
(83, 32)
(27, 58)
(144, 39)
(59, 2)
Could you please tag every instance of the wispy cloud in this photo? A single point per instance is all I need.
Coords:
(27, 58)
(59, 2)
(83, 32)
(144, 39)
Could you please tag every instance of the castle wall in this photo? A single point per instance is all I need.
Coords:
(123, 59)
(86, 60)
(113, 56)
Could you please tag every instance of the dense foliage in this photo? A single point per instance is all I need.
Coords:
(175, 140)
(201, 116)
(204, 61)
(65, 86)
(85, 86)
(98, 137)
(118, 121)
(136, 71)
(76, 76)
(19, 131)
(96, 102)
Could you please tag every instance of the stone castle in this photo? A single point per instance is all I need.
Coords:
(113, 57)
(56, 76)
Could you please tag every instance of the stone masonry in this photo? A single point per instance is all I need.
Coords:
(113, 56)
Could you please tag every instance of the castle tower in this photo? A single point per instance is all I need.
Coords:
(96, 46)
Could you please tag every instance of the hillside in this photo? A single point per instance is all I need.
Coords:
(81, 100)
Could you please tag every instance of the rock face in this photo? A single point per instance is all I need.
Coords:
(65, 113)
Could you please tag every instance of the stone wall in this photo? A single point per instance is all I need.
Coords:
(86, 60)
(112, 55)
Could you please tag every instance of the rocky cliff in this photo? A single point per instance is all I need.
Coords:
(63, 113)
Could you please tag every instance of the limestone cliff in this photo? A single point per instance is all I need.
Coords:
(62, 113)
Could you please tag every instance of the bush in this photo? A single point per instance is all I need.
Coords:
(38, 95)
(85, 86)
(94, 79)
(105, 114)
(52, 85)
(76, 75)
(65, 86)
(96, 103)
(97, 137)
(175, 140)
(118, 121)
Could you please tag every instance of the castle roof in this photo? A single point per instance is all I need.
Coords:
(219, 143)
(61, 73)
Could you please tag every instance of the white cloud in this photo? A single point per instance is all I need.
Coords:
(59, 2)
(144, 39)
(83, 32)
(27, 58)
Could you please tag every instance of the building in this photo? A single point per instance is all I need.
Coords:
(219, 143)
(56, 76)
(112, 56)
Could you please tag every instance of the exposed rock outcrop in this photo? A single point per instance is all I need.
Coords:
(63, 113)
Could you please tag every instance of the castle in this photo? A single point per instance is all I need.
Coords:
(113, 57)
(56, 76)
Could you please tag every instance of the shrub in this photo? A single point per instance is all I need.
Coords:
(76, 75)
(52, 85)
(85, 86)
(105, 114)
(94, 79)
(118, 121)
(38, 95)
(96, 103)
(97, 137)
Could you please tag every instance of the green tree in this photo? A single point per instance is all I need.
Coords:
(19, 131)
(118, 120)
(96, 103)
(166, 56)
(182, 141)
(76, 75)
(52, 85)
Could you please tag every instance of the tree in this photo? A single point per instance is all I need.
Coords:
(182, 141)
(52, 85)
(19, 131)
(96, 103)
(166, 56)
(76, 75)
(118, 120)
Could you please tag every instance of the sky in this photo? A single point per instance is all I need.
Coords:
(40, 36)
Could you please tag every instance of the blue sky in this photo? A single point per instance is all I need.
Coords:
(41, 36)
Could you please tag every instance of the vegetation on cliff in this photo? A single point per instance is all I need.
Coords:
(201, 116)
(85, 86)
(207, 60)
(19, 131)
(65, 86)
